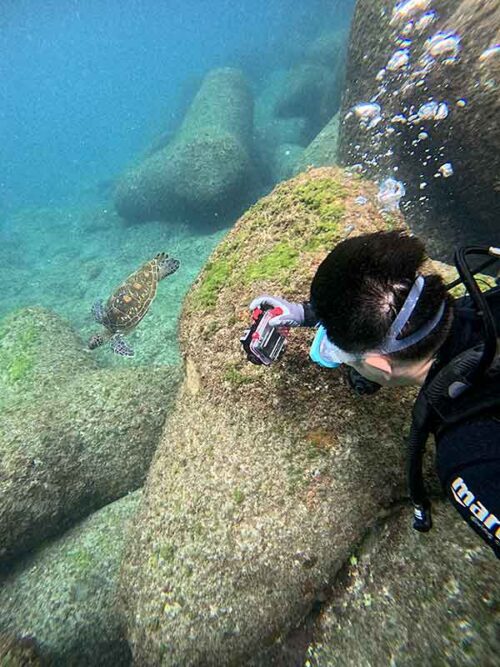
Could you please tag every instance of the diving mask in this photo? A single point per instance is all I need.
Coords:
(327, 354)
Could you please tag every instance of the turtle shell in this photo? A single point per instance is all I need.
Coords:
(130, 301)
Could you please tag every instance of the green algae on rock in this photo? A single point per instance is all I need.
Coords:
(259, 492)
(258, 516)
(317, 206)
(37, 350)
(411, 600)
(72, 437)
(63, 595)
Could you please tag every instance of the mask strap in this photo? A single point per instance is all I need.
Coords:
(391, 342)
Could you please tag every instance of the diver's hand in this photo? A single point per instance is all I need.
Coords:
(292, 315)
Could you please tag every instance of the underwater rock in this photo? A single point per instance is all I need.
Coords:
(446, 69)
(284, 161)
(266, 478)
(38, 351)
(63, 595)
(206, 169)
(405, 599)
(18, 651)
(271, 131)
(329, 49)
(72, 438)
(322, 151)
(312, 89)
(312, 92)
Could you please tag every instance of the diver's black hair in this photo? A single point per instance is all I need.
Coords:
(362, 284)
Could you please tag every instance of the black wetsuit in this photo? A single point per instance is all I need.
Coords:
(468, 453)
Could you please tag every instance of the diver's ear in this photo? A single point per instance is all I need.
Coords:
(379, 362)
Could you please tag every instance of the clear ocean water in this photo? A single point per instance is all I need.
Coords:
(130, 128)
(86, 89)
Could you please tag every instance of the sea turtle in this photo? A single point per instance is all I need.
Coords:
(129, 302)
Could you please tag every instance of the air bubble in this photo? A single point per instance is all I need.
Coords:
(490, 52)
(443, 45)
(398, 60)
(425, 21)
(446, 170)
(368, 113)
(408, 9)
(390, 194)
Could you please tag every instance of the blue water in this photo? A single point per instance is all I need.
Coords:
(86, 83)
(86, 87)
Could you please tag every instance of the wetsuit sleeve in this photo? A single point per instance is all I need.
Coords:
(468, 466)
(310, 319)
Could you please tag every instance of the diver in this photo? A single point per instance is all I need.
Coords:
(392, 323)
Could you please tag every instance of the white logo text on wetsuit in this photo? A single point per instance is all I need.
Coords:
(483, 516)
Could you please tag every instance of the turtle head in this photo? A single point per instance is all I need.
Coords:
(166, 264)
(95, 341)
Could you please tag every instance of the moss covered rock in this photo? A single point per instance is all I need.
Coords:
(63, 595)
(37, 351)
(18, 651)
(72, 437)
(406, 599)
(206, 168)
(268, 476)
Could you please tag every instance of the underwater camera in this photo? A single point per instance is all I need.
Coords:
(263, 343)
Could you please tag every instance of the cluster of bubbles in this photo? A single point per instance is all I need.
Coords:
(400, 76)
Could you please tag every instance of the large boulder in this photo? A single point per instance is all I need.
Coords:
(406, 599)
(38, 351)
(72, 437)
(466, 205)
(206, 169)
(267, 478)
(322, 151)
(63, 595)
(313, 87)
(271, 132)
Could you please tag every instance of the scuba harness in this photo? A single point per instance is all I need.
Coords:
(445, 399)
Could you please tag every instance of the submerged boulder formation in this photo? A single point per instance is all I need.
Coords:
(296, 108)
(206, 170)
(267, 478)
(313, 88)
(322, 151)
(408, 599)
(434, 73)
(62, 596)
(72, 437)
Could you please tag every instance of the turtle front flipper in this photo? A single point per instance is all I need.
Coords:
(98, 311)
(119, 346)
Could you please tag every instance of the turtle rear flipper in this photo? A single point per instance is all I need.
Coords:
(119, 346)
(98, 311)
